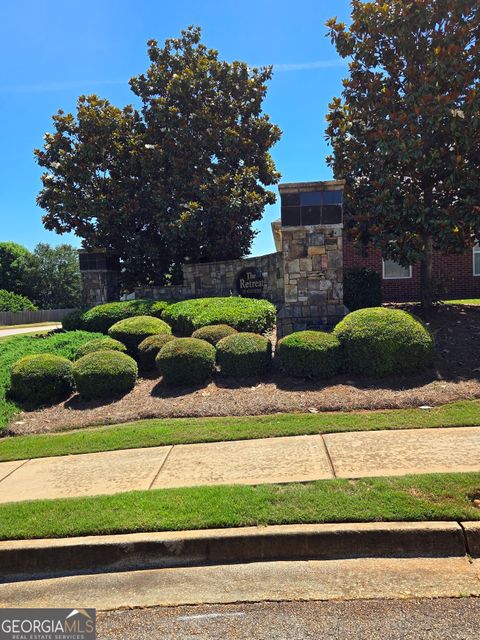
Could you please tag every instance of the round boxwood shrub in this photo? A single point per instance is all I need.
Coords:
(243, 314)
(244, 354)
(382, 342)
(103, 316)
(214, 332)
(103, 374)
(148, 350)
(100, 344)
(186, 361)
(132, 331)
(310, 354)
(41, 379)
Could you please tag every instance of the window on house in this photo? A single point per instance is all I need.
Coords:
(394, 271)
(476, 260)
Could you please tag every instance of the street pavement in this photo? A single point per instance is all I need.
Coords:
(415, 619)
(35, 329)
(266, 460)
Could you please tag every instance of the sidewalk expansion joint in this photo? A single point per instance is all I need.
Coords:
(329, 457)
(13, 470)
(161, 467)
(465, 542)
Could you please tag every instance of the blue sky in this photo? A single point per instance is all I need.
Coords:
(52, 51)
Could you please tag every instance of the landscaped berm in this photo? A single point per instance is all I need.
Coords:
(144, 362)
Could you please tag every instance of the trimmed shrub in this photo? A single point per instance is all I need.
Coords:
(73, 320)
(186, 361)
(382, 342)
(103, 374)
(103, 316)
(362, 288)
(100, 344)
(14, 302)
(214, 332)
(132, 331)
(244, 354)
(310, 354)
(243, 314)
(148, 350)
(41, 379)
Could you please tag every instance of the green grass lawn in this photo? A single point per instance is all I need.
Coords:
(474, 301)
(411, 498)
(157, 432)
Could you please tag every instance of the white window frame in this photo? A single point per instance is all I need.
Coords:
(396, 277)
(476, 249)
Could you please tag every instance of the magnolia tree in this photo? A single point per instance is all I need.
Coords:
(182, 178)
(406, 132)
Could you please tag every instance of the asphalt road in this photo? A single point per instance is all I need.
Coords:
(415, 619)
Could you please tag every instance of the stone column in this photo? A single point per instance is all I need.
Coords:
(100, 277)
(311, 231)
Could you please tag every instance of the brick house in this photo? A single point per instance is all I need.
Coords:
(460, 274)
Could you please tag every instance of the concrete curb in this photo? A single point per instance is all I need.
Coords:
(472, 537)
(27, 559)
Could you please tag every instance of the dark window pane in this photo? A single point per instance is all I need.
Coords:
(332, 197)
(311, 215)
(311, 198)
(291, 216)
(332, 214)
(290, 199)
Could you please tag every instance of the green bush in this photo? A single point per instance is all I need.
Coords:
(214, 332)
(244, 354)
(15, 347)
(100, 344)
(381, 342)
(148, 350)
(362, 288)
(103, 316)
(41, 379)
(186, 361)
(14, 302)
(243, 314)
(132, 331)
(103, 374)
(310, 354)
(73, 320)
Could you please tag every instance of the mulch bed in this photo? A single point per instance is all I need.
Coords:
(456, 376)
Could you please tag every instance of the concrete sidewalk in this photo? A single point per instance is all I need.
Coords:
(269, 460)
(33, 329)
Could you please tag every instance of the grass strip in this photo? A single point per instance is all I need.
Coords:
(157, 432)
(411, 498)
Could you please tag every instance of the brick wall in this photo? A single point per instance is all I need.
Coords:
(455, 271)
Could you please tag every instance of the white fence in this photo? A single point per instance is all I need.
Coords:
(33, 317)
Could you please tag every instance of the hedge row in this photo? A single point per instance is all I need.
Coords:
(374, 342)
(243, 314)
(103, 316)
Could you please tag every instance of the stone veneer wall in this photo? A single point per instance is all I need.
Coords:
(212, 279)
(313, 268)
(99, 287)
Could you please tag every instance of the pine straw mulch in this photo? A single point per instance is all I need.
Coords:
(456, 376)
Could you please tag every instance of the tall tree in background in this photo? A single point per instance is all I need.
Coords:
(406, 132)
(52, 277)
(13, 260)
(182, 179)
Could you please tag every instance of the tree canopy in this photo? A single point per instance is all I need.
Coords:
(406, 132)
(183, 177)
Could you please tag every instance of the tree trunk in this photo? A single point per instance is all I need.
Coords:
(426, 294)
